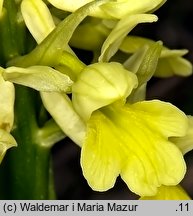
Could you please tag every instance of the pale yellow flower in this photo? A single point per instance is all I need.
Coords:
(169, 193)
(111, 9)
(132, 141)
(185, 144)
(171, 62)
(7, 97)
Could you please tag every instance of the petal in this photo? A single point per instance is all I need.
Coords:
(169, 193)
(1, 6)
(41, 78)
(155, 163)
(100, 157)
(132, 43)
(6, 141)
(173, 65)
(185, 143)
(68, 5)
(153, 160)
(7, 97)
(60, 108)
(114, 9)
(37, 18)
(121, 8)
(121, 141)
(181, 66)
(170, 63)
(72, 6)
(120, 31)
(163, 116)
(100, 84)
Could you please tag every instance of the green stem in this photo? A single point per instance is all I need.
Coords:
(9, 49)
(27, 167)
(12, 31)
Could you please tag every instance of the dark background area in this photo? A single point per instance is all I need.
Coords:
(175, 29)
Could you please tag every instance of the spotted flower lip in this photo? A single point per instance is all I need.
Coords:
(169, 193)
(132, 141)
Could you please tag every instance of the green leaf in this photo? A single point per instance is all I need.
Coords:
(41, 78)
(117, 35)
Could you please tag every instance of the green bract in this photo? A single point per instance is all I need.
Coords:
(144, 62)
(100, 84)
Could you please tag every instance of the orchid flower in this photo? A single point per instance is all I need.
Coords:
(117, 136)
(130, 140)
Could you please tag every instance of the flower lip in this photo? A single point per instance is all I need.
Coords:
(132, 141)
